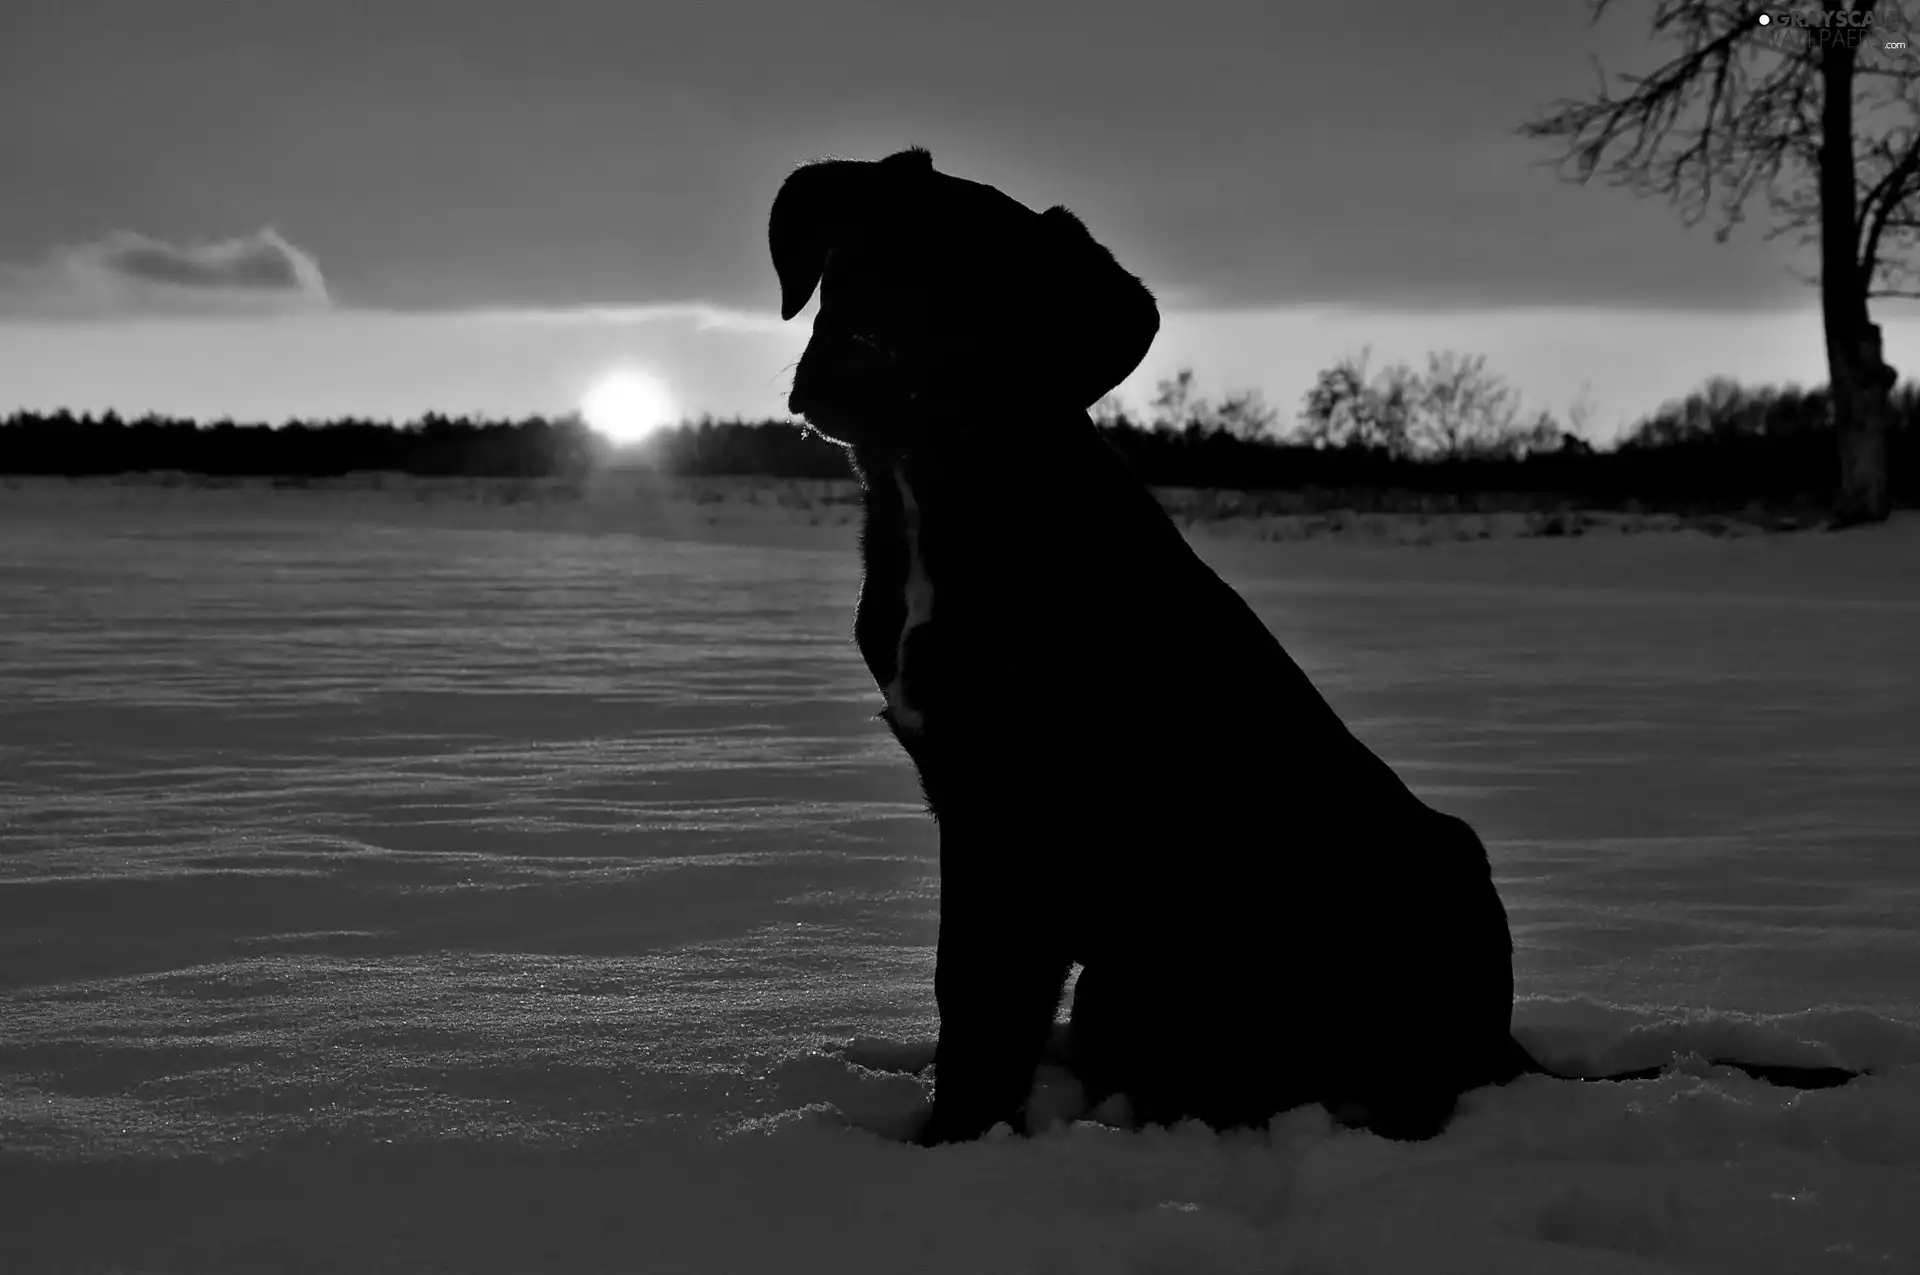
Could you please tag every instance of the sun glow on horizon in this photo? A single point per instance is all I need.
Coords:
(627, 406)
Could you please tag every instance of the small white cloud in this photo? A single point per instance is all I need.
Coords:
(127, 272)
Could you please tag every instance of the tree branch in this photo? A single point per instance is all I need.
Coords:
(1705, 122)
(1900, 183)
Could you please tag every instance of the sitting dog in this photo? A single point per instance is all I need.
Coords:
(1126, 769)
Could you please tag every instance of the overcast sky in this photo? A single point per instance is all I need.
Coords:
(243, 206)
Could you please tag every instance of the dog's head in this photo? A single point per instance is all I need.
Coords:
(944, 302)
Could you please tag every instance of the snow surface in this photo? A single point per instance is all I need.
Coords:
(420, 878)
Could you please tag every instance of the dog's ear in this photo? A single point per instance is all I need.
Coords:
(806, 220)
(1114, 317)
(817, 207)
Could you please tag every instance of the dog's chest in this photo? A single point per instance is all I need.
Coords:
(915, 605)
(951, 623)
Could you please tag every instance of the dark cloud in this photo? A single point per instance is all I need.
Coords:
(260, 262)
(127, 272)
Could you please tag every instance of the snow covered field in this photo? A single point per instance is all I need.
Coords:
(402, 880)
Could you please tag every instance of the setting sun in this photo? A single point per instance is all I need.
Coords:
(627, 406)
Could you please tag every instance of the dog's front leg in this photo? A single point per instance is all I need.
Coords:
(1001, 965)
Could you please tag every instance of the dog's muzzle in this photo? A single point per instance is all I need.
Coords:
(858, 393)
(849, 374)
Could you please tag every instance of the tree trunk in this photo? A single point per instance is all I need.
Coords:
(1860, 379)
(1862, 413)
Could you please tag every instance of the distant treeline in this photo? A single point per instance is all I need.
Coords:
(63, 443)
(1724, 445)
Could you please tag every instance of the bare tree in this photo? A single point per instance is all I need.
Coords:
(1177, 402)
(1349, 406)
(1455, 408)
(1462, 408)
(1582, 412)
(1809, 115)
(1179, 405)
(1245, 415)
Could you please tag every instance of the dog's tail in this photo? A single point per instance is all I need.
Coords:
(1787, 1075)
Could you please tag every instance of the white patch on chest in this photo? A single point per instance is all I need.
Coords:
(919, 595)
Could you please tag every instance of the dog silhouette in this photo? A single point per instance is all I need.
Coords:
(1127, 770)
